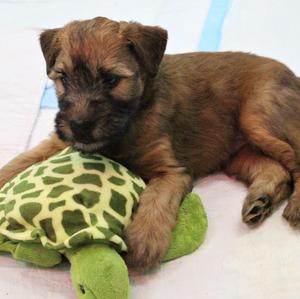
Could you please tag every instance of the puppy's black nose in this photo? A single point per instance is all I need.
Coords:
(81, 127)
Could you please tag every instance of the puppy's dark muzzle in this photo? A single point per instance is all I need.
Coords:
(82, 130)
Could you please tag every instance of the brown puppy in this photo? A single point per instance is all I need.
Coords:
(172, 119)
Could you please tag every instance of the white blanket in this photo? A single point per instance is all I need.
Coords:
(234, 262)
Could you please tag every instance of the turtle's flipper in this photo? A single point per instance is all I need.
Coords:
(33, 253)
(190, 230)
(97, 272)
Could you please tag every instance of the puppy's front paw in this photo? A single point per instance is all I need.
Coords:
(148, 241)
(292, 213)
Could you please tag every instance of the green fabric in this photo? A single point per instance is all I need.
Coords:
(33, 253)
(70, 199)
(190, 230)
(98, 272)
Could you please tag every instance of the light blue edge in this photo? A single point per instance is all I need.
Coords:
(212, 30)
(49, 99)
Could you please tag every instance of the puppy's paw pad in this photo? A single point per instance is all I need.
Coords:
(256, 209)
(292, 213)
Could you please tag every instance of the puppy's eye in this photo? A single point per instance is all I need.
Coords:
(64, 79)
(111, 80)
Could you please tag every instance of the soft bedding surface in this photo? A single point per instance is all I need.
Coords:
(234, 262)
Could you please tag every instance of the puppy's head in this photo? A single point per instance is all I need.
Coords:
(100, 68)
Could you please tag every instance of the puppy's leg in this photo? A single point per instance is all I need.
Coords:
(149, 235)
(271, 122)
(39, 153)
(268, 181)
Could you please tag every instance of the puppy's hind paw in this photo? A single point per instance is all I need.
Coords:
(256, 209)
(292, 213)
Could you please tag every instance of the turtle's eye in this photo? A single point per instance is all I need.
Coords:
(82, 289)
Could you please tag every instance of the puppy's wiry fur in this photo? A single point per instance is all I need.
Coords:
(171, 119)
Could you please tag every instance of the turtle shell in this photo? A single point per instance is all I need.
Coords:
(70, 200)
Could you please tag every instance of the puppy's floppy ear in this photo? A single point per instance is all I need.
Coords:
(50, 46)
(148, 44)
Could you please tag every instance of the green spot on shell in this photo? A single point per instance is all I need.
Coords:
(94, 166)
(22, 187)
(8, 187)
(2, 220)
(2, 207)
(116, 167)
(9, 207)
(135, 201)
(54, 205)
(2, 199)
(29, 210)
(25, 174)
(58, 191)
(14, 225)
(93, 218)
(41, 170)
(116, 181)
(47, 226)
(133, 175)
(138, 189)
(73, 222)
(106, 232)
(88, 178)
(61, 160)
(65, 169)
(114, 224)
(81, 238)
(49, 180)
(87, 198)
(34, 194)
(118, 202)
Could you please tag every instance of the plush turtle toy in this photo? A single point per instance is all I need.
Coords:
(78, 205)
